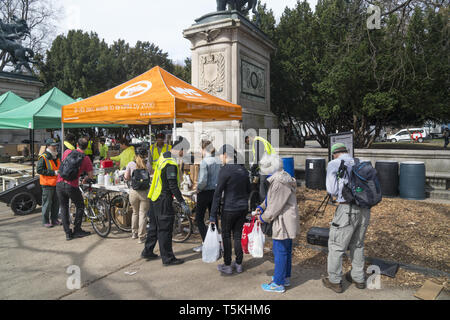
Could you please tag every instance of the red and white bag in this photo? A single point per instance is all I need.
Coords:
(256, 240)
(246, 230)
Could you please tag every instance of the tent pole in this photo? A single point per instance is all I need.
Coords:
(62, 138)
(174, 132)
(150, 133)
(32, 151)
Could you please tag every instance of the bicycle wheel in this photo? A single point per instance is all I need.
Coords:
(121, 213)
(182, 225)
(100, 218)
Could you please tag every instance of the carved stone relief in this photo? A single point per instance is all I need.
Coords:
(212, 74)
(253, 80)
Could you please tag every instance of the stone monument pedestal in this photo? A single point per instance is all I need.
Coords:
(26, 87)
(231, 60)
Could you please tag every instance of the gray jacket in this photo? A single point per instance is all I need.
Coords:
(209, 172)
(281, 206)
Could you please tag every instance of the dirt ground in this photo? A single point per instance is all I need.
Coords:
(409, 232)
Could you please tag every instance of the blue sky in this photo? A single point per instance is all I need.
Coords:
(157, 21)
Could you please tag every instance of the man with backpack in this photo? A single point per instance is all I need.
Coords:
(74, 163)
(351, 219)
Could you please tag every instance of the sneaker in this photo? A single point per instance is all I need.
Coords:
(238, 267)
(142, 240)
(287, 282)
(57, 223)
(198, 249)
(69, 236)
(80, 233)
(336, 287)
(225, 269)
(359, 285)
(134, 236)
(273, 287)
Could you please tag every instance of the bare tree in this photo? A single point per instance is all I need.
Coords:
(41, 17)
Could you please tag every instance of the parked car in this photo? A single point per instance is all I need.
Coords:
(418, 134)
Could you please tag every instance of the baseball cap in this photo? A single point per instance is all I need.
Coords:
(51, 142)
(338, 147)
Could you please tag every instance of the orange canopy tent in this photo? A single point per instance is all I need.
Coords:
(155, 97)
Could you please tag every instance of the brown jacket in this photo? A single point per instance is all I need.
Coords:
(282, 206)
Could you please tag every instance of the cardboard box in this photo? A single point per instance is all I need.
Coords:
(123, 219)
(113, 153)
(194, 170)
(42, 150)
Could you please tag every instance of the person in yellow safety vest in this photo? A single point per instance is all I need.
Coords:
(90, 149)
(127, 154)
(47, 167)
(260, 146)
(158, 148)
(103, 149)
(165, 186)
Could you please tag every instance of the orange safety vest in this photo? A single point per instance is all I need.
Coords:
(51, 165)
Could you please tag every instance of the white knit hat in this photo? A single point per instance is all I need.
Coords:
(270, 164)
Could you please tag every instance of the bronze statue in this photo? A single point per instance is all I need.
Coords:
(239, 5)
(10, 35)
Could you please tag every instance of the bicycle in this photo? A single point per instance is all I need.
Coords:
(183, 226)
(254, 197)
(96, 210)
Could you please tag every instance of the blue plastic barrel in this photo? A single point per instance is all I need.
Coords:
(288, 165)
(412, 180)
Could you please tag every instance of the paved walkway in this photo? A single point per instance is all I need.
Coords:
(34, 260)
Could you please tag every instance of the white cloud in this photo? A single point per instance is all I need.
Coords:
(160, 22)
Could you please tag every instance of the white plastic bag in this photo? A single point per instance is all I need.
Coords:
(211, 246)
(256, 240)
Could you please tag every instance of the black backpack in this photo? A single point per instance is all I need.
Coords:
(71, 165)
(140, 179)
(363, 187)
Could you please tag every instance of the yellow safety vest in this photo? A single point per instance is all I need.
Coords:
(156, 154)
(69, 145)
(88, 150)
(156, 187)
(267, 147)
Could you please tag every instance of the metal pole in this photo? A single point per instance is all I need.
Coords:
(32, 151)
(62, 138)
(174, 132)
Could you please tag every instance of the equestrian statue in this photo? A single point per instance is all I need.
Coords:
(10, 36)
(239, 5)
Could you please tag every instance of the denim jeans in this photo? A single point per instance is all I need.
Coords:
(282, 251)
(204, 201)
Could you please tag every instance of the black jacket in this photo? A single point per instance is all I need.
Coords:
(169, 181)
(234, 183)
(41, 167)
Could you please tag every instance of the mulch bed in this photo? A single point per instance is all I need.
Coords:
(410, 232)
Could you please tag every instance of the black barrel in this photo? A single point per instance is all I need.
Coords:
(315, 173)
(412, 180)
(387, 171)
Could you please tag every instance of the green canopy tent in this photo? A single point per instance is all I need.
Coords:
(42, 113)
(10, 101)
